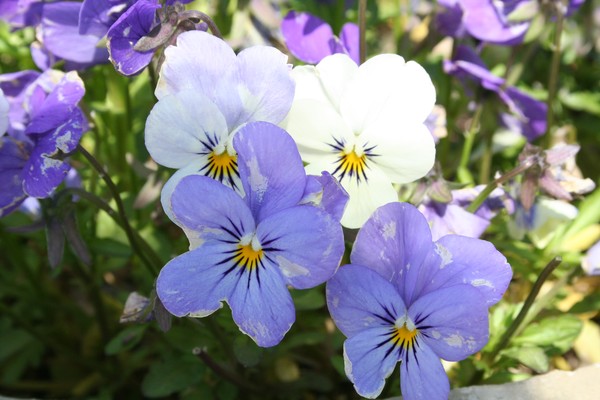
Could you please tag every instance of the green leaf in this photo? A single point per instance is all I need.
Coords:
(590, 303)
(310, 299)
(171, 377)
(246, 351)
(530, 356)
(582, 101)
(557, 332)
(126, 339)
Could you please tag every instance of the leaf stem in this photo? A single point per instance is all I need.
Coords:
(362, 26)
(554, 69)
(222, 372)
(516, 323)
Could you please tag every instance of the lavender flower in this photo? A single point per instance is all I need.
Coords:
(32, 154)
(405, 298)
(310, 39)
(246, 251)
(528, 115)
(204, 100)
(591, 260)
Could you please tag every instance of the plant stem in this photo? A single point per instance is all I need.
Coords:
(362, 26)
(222, 372)
(468, 146)
(483, 195)
(553, 80)
(131, 235)
(515, 325)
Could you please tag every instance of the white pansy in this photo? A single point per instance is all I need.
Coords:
(364, 125)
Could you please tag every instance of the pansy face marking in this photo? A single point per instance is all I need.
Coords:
(352, 161)
(221, 162)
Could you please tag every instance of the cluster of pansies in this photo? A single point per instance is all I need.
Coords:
(273, 163)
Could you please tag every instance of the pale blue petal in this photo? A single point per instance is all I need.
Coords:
(262, 306)
(368, 362)
(195, 283)
(358, 298)
(452, 321)
(270, 167)
(474, 262)
(210, 209)
(306, 243)
(394, 240)
(422, 376)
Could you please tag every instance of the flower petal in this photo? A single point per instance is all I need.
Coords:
(487, 22)
(403, 239)
(473, 262)
(326, 193)
(349, 37)
(3, 113)
(210, 209)
(182, 126)
(13, 157)
(187, 66)
(195, 283)
(316, 126)
(455, 321)
(405, 152)
(367, 363)
(270, 167)
(264, 86)
(307, 37)
(306, 244)
(422, 376)
(359, 298)
(263, 309)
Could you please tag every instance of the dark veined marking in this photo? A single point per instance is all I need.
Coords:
(222, 167)
(350, 164)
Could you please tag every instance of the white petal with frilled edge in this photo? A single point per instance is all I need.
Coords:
(365, 195)
(387, 86)
(405, 152)
(327, 81)
(196, 62)
(315, 125)
(182, 126)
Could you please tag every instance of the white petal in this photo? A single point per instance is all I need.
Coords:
(365, 196)
(177, 126)
(314, 125)
(405, 152)
(198, 61)
(3, 113)
(387, 86)
(327, 81)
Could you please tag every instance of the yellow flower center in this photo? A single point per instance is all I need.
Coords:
(247, 257)
(352, 165)
(222, 167)
(402, 336)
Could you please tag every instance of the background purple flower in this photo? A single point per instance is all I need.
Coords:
(311, 39)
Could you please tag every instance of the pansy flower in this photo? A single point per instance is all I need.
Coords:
(364, 125)
(407, 299)
(31, 160)
(203, 100)
(247, 250)
(4, 106)
(310, 39)
(527, 115)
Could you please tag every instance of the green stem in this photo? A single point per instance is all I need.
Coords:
(362, 26)
(463, 171)
(120, 207)
(517, 322)
(483, 195)
(224, 373)
(553, 80)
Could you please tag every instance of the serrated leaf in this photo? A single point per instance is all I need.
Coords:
(171, 377)
(530, 356)
(558, 332)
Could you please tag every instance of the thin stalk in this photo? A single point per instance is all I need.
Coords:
(469, 141)
(517, 322)
(131, 236)
(362, 27)
(553, 80)
(486, 159)
(483, 195)
(222, 372)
